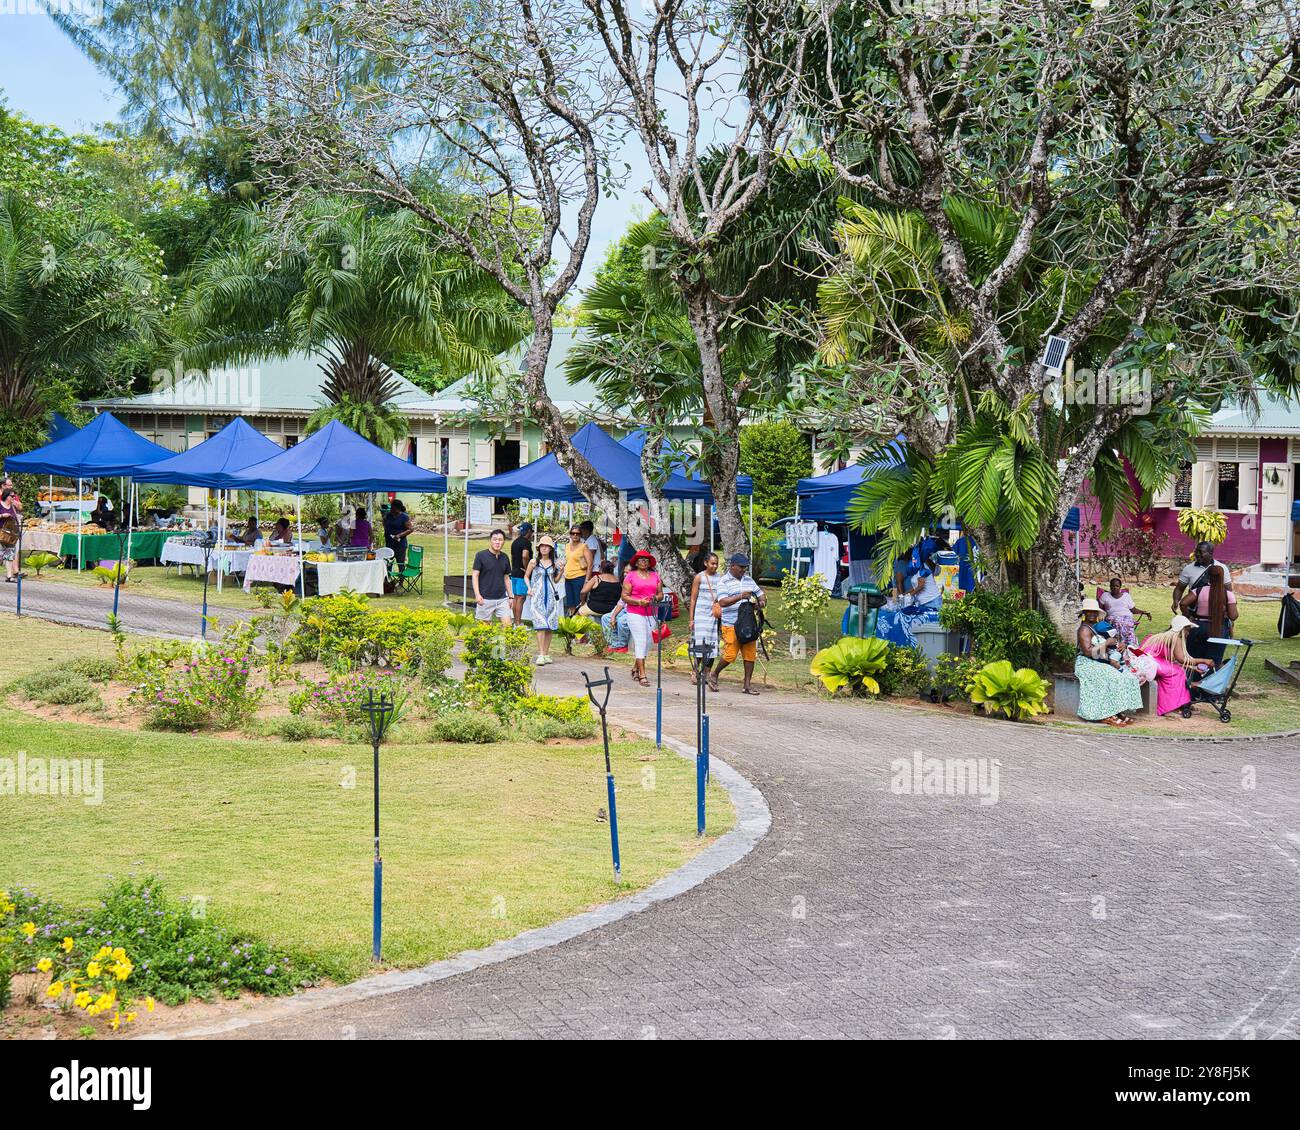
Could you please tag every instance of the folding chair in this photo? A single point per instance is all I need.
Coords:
(410, 576)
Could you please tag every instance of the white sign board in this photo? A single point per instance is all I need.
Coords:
(801, 535)
(480, 510)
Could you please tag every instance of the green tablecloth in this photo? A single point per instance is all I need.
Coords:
(146, 545)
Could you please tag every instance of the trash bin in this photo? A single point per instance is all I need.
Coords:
(860, 616)
(935, 640)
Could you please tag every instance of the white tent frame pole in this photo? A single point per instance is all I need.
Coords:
(79, 553)
(302, 580)
(130, 516)
(751, 526)
(464, 576)
(446, 545)
(221, 531)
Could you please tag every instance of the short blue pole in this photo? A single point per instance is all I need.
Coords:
(704, 751)
(20, 588)
(116, 591)
(659, 718)
(613, 827)
(379, 906)
(699, 794)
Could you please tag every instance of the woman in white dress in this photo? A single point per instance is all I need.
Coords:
(545, 595)
(703, 624)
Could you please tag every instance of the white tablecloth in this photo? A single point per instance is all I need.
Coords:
(360, 576)
(175, 552)
(48, 540)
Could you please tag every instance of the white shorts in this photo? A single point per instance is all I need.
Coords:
(500, 609)
(640, 627)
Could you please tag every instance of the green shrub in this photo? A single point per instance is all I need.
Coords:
(58, 686)
(906, 672)
(95, 669)
(343, 698)
(343, 631)
(540, 728)
(297, 729)
(853, 663)
(497, 668)
(1000, 627)
(177, 951)
(204, 682)
(777, 454)
(954, 675)
(563, 708)
(39, 559)
(467, 726)
(1016, 694)
(435, 657)
(573, 628)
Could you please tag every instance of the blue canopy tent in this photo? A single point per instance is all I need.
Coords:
(335, 460)
(212, 464)
(635, 442)
(104, 448)
(546, 480)
(61, 427)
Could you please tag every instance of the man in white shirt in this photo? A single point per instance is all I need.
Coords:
(1195, 569)
(734, 586)
(592, 542)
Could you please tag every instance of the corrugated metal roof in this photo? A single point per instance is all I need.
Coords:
(1276, 417)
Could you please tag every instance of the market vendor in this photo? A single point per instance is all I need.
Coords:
(282, 534)
(360, 530)
(916, 601)
(103, 515)
(251, 534)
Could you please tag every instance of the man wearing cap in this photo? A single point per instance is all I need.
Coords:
(521, 552)
(733, 587)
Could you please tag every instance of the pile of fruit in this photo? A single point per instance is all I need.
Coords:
(318, 556)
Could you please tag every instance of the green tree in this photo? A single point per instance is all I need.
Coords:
(357, 285)
(777, 455)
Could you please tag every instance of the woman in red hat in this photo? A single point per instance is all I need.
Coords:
(642, 591)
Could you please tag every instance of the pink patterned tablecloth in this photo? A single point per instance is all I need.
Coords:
(280, 570)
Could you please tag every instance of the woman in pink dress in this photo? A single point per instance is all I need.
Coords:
(1120, 610)
(1169, 650)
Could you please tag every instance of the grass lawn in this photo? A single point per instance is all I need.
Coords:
(165, 583)
(479, 842)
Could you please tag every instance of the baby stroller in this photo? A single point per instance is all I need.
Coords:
(1217, 687)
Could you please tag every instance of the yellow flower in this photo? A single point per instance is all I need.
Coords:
(29, 928)
(121, 970)
(67, 945)
(92, 969)
(82, 999)
(129, 1017)
(55, 989)
(149, 1003)
(106, 1000)
(119, 954)
(117, 1019)
(104, 952)
(45, 965)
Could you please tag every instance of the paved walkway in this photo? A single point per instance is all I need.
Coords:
(89, 608)
(1118, 887)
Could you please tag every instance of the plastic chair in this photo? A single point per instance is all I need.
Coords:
(410, 576)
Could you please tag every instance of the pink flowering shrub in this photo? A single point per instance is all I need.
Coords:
(209, 684)
(343, 698)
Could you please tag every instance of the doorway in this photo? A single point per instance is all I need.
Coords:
(505, 457)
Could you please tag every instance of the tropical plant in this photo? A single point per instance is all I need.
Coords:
(803, 599)
(776, 455)
(113, 574)
(1203, 525)
(1000, 627)
(1015, 693)
(352, 284)
(39, 559)
(573, 628)
(851, 662)
(497, 668)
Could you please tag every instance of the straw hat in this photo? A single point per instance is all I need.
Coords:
(545, 539)
(1088, 604)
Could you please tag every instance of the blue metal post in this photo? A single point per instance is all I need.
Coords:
(379, 906)
(704, 750)
(699, 794)
(613, 827)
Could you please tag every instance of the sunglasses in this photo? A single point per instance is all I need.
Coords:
(575, 533)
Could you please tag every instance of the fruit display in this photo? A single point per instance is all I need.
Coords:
(318, 556)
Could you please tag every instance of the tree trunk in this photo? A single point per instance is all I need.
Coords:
(675, 572)
(720, 461)
(1054, 580)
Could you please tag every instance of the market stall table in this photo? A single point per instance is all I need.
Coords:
(271, 568)
(231, 559)
(146, 545)
(359, 576)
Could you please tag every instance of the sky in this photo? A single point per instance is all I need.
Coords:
(43, 76)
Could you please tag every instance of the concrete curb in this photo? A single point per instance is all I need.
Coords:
(753, 819)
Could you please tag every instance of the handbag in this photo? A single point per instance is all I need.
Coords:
(9, 531)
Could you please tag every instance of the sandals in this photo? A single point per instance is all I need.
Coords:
(1117, 721)
(644, 681)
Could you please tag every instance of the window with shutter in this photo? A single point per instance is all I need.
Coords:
(1229, 482)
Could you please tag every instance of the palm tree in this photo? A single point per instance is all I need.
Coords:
(991, 463)
(75, 299)
(355, 285)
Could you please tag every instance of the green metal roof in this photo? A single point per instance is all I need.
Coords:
(1277, 416)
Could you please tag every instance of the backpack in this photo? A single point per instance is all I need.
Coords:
(1288, 620)
(749, 622)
